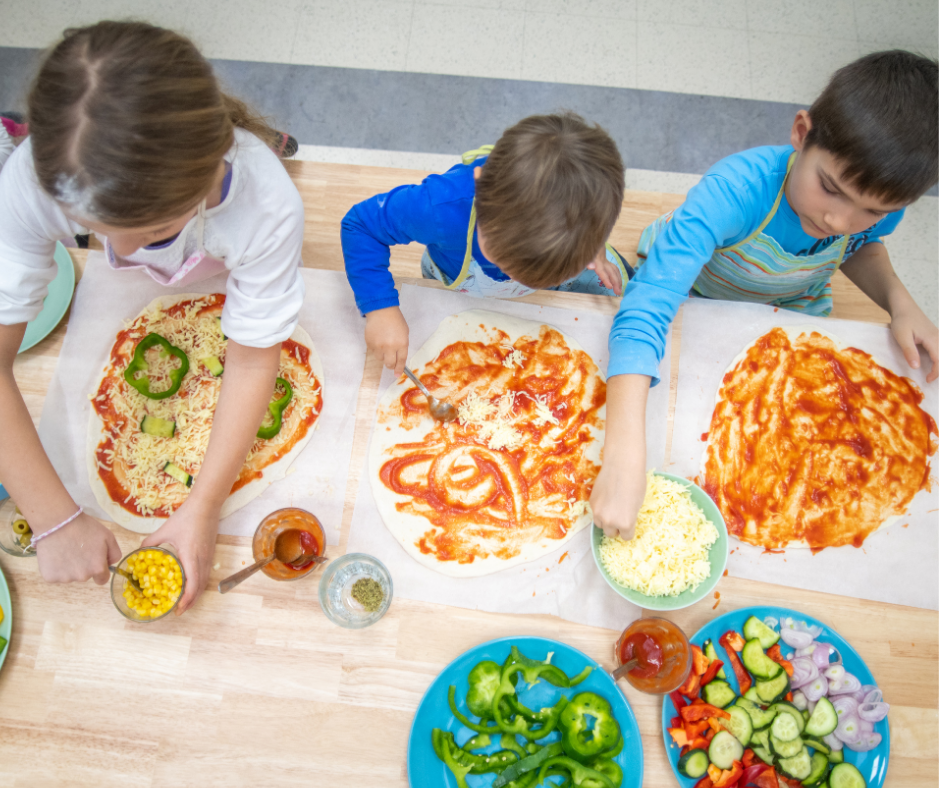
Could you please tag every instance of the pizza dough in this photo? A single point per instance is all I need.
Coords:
(509, 480)
(813, 444)
(268, 461)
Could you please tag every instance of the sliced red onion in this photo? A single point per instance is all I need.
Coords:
(832, 742)
(804, 671)
(845, 704)
(874, 696)
(821, 656)
(847, 685)
(865, 743)
(795, 639)
(771, 622)
(799, 699)
(865, 727)
(834, 672)
(862, 693)
(848, 729)
(808, 651)
(815, 689)
(873, 712)
(811, 706)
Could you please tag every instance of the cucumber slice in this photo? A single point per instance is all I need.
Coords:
(709, 649)
(218, 323)
(756, 661)
(753, 697)
(760, 717)
(724, 750)
(844, 775)
(161, 428)
(213, 365)
(820, 766)
(764, 754)
(694, 763)
(718, 693)
(818, 745)
(772, 690)
(740, 725)
(785, 749)
(836, 756)
(798, 767)
(761, 739)
(755, 628)
(178, 473)
(823, 720)
(783, 707)
(784, 728)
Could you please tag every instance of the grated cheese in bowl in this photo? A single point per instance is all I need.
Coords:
(670, 552)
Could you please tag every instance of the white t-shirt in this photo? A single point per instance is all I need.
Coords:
(257, 230)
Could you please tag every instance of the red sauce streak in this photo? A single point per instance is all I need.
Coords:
(564, 555)
(813, 444)
(646, 650)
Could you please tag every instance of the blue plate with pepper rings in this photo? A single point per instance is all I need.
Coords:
(425, 769)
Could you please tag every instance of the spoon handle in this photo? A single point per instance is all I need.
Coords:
(418, 383)
(624, 669)
(126, 575)
(230, 582)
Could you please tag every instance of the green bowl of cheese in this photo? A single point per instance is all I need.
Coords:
(672, 550)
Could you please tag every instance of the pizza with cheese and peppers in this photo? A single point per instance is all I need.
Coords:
(152, 412)
(509, 480)
(814, 444)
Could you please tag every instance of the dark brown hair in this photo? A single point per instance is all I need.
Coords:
(548, 197)
(128, 125)
(878, 115)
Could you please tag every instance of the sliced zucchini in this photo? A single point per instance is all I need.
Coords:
(817, 744)
(772, 690)
(724, 750)
(798, 766)
(823, 720)
(760, 717)
(836, 756)
(756, 661)
(785, 749)
(218, 323)
(761, 738)
(764, 754)
(179, 474)
(820, 767)
(161, 428)
(213, 364)
(712, 655)
(783, 707)
(694, 763)
(718, 693)
(755, 628)
(784, 728)
(740, 725)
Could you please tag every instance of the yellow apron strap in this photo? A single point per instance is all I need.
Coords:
(472, 155)
(621, 264)
(845, 243)
(468, 158)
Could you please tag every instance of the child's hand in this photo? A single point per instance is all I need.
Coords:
(387, 336)
(191, 530)
(607, 272)
(82, 549)
(911, 327)
(616, 499)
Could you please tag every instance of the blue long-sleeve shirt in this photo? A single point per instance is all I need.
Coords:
(435, 213)
(724, 208)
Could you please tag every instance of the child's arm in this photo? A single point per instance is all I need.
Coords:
(84, 547)
(870, 268)
(247, 387)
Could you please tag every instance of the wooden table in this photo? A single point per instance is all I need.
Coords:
(259, 688)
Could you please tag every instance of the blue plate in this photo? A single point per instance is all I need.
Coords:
(56, 303)
(6, 628)
(873, 764)
(424, 768)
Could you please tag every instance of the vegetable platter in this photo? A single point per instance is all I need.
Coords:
(570, 723)
(776, 699)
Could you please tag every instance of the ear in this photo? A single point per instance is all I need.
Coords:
(802, 123)
(476, 173)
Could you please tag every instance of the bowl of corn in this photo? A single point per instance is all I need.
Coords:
(161, 580)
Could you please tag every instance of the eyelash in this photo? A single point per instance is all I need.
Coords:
(827, 190)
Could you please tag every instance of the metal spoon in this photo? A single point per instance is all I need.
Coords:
(127, 576)
(287, 549)
(624, 669)
(440, 410)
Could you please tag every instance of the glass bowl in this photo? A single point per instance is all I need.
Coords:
(336, 590)
(675, 651)
(262, 544)
(119, 581)
(8, 540)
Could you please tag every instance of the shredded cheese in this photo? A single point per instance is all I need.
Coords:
(493, 420)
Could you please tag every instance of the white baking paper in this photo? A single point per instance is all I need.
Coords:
(316, 481)
(565, 583)
(896, 565)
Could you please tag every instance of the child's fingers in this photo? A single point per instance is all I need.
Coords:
(400, 360)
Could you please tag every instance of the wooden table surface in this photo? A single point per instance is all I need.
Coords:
(259, 688)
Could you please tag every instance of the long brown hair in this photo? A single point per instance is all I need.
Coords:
(128, 124)
(548, 197)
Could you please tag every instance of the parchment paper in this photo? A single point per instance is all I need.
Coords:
(896, 565)
(564, 583)
(104, 299)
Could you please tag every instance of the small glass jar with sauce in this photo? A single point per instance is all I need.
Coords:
(312, 538)
(663, 651)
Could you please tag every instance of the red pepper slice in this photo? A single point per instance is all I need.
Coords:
(700, 711)
(743, 677)
(705, 782)
(677, 700)
(774, 653)
(713, 668)
(691, 686)
(699, 660)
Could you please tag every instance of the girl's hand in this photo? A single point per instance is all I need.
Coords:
(191, 530)
(911, 327)
(617, 497)
(82, 549)
(387, 336)
(607, 272)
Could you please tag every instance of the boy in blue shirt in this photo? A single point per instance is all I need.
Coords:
(771, 225)
(534, 213)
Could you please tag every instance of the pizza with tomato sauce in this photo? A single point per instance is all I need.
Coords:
(814, 444)
(153, 410)
(509, 480)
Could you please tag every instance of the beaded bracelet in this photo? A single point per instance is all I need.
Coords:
(37, 537)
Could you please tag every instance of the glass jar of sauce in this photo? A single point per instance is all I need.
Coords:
(312, 538)
(663, 654)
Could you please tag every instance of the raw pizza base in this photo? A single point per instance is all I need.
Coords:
(241, 497)
(408, 528)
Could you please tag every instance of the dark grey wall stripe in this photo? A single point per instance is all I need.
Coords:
(431, 113)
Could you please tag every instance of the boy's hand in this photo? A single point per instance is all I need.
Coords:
(911, 327)
(607, 272)
(617, 497)
(82, 549)
(387, 335)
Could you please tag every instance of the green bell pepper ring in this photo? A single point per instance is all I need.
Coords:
(580, 677)
(464, 720)
(610, 768)
(527, 764)
(139, 364)
(483, 681)
(276, 409)
(478, 742)
(532, 671)
(478, 763)
(460, 771)
(580, 741)
(508, 742)
(582, 776)
(519, 725)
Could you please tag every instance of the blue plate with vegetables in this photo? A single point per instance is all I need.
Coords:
(522, 712)
(776, 699)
